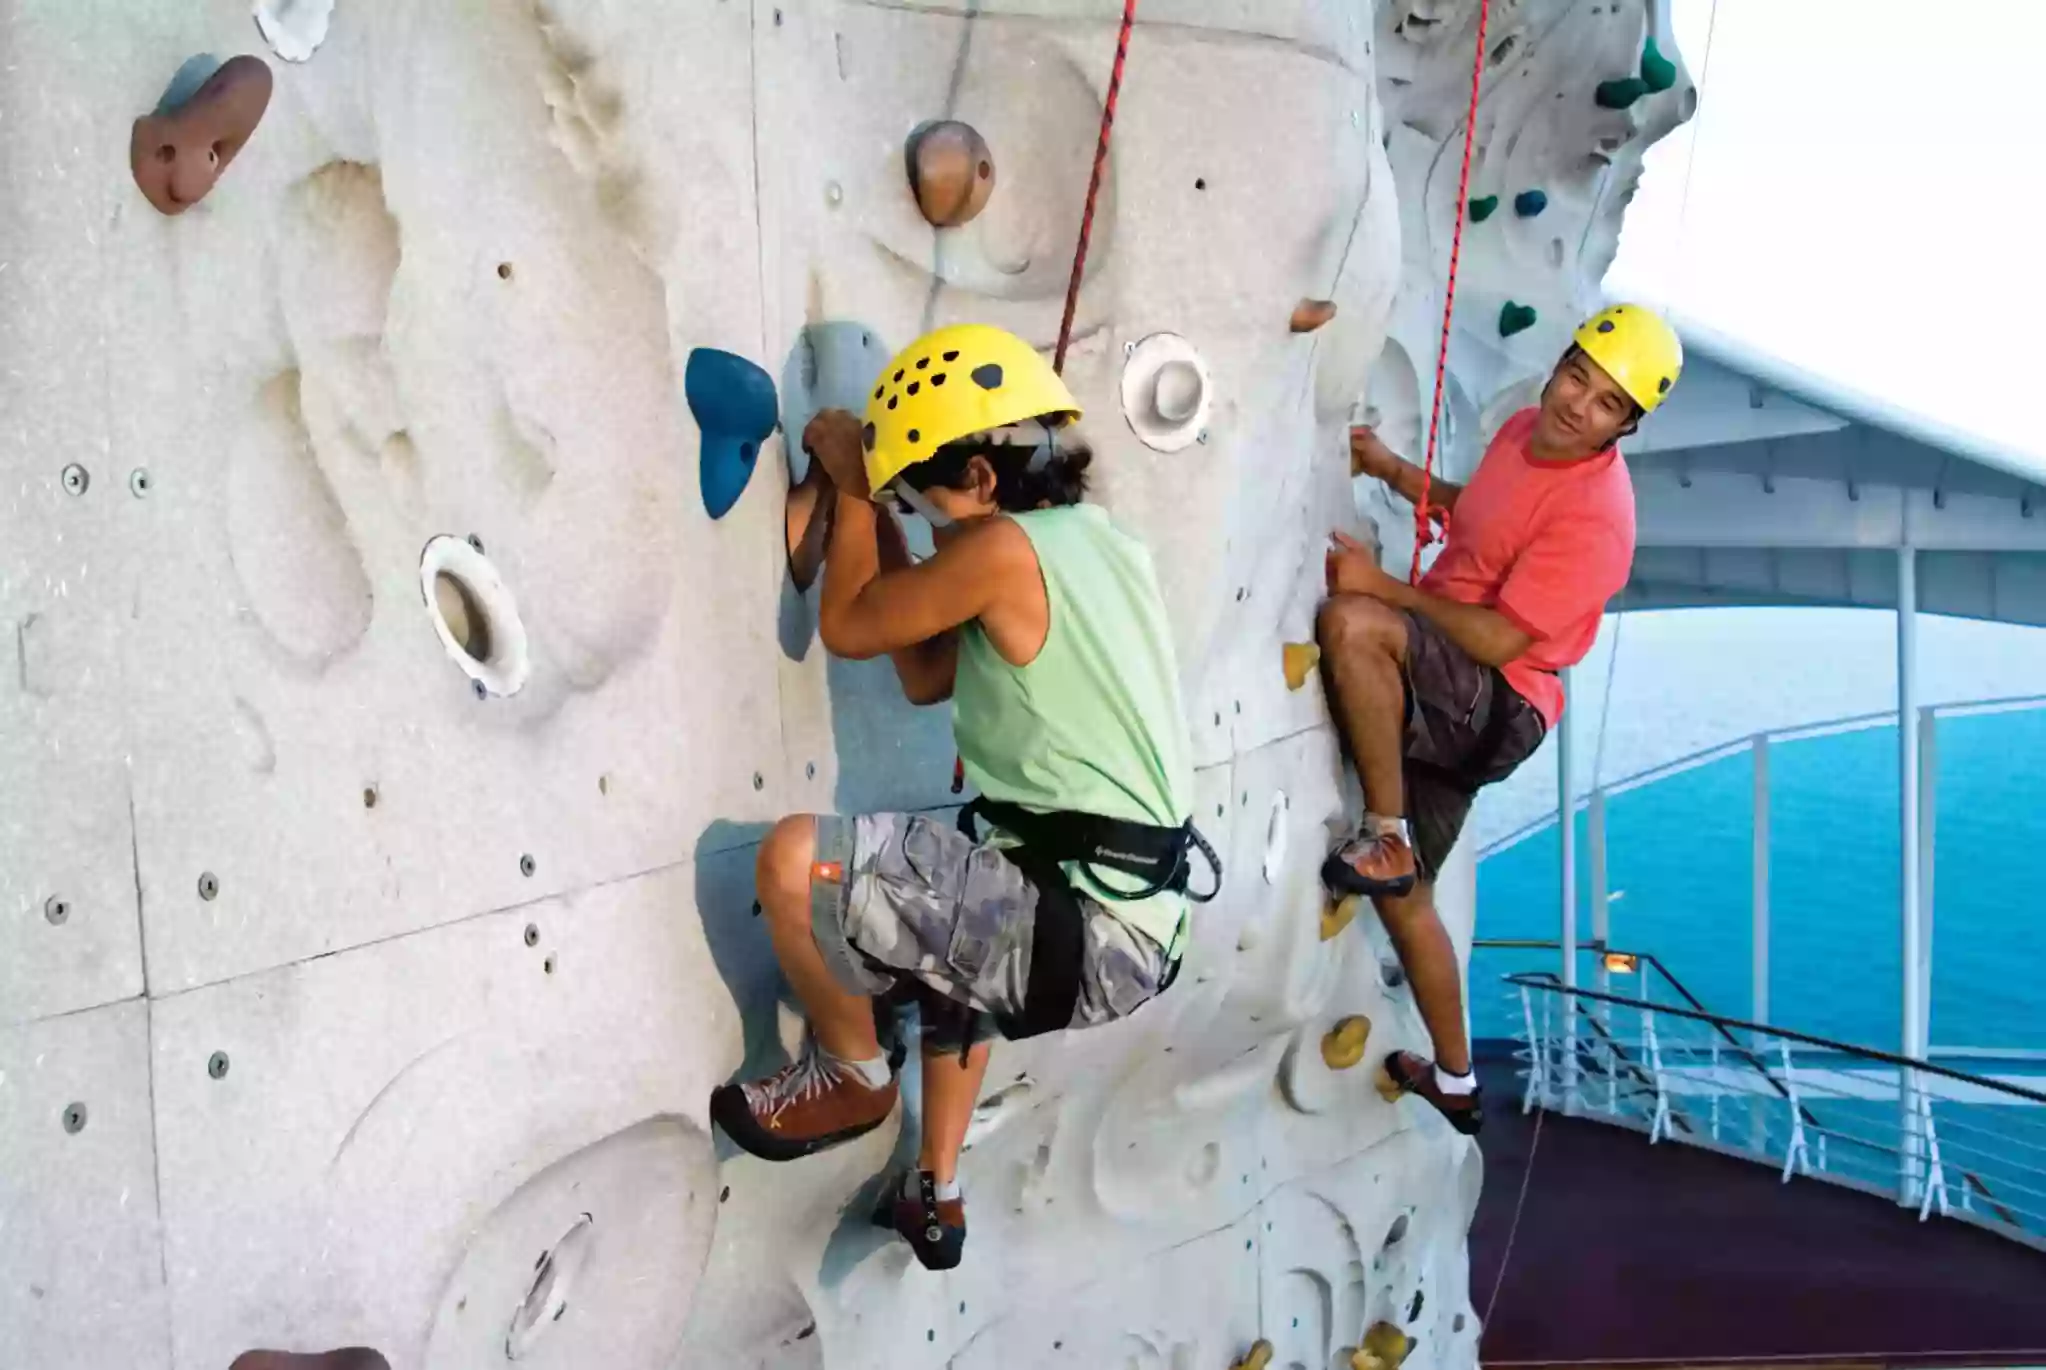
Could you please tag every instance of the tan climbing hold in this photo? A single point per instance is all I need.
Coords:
(1385, 1348)
(1342, 1046)
(1336, 915)
(1259, 1358)
(1309, 315)
(1387, 1090)
(951, 172)
(1299, 660)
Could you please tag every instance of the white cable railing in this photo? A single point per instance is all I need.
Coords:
(1937, 1140)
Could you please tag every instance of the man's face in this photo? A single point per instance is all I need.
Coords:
(1583, 410)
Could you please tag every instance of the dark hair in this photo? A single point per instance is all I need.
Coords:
(1061, 481)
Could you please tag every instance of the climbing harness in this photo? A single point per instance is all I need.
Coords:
(1423, 531)
(1058, 364)
(1122, 51)
(1160, 856)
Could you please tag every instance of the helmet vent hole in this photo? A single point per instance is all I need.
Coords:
(898, 377)
(867, 436)
(1606, 326)
(914, 386)
(878, 391)
(938, 380)
(894, 400)
(951, 356)
(915, 436)
(988, 377)
(924, 364)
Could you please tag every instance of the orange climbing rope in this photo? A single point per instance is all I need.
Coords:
(1122, 52)
(1058, 363)
(1424, 533)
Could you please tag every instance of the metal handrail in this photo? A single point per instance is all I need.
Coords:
(1734, 746)
(1550, 982)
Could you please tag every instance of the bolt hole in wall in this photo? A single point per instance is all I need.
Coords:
(474, 614)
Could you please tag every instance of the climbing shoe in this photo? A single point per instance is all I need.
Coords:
(935, 1228)
(1406, 1073)
(815, 1101)
(1370, 863)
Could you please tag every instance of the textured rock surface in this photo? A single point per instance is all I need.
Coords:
(420, 979)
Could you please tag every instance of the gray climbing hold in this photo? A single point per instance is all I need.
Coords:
(1529, 203)
(832, 366)
(1621, 93)
(1516, 318)
(1482, 207)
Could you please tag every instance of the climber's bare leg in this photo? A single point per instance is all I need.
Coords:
(1429, 959)
(843, 1022)
(1363, 646)
(950, 1091)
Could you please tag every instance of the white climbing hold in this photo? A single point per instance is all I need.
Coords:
(294, 29)
(1166, 392)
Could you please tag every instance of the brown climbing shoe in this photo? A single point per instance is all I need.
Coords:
(815, 1101)
(935, 1228)
(1370, 864)
(1406, 1073)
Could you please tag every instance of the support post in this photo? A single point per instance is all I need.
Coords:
(1758, 1121)
(1566, 827)
(1601, 932)
(1911, 937)
(1928, 822)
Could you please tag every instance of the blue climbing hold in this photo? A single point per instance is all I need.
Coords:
(1529, 203)
(832, 366)
(1515, 318)
(185, 82)
(733, 402)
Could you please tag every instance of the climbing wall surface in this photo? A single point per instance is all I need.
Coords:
(388, 724)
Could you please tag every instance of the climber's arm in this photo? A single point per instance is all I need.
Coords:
(925, 669)
(867, 610)
(1371, 457)
(1487, 635)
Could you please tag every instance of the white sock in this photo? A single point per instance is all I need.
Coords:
(873, 1074)
(912, 1186)
(1454, 1084)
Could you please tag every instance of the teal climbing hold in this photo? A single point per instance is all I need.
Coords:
(1481, 209)
(1515, 318)
(1621, 93)
(1658, 73)
(185, 82)
(734, 405)
(1529, 203)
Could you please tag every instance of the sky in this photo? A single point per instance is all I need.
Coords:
(1858, 198)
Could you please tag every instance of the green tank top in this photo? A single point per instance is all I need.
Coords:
(1094, 723)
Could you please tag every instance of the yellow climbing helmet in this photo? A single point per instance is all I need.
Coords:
(1637, 349)
(959, 380)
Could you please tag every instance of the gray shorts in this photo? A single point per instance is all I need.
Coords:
(895, 894)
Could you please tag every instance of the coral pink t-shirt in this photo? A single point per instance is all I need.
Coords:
(1544, 543)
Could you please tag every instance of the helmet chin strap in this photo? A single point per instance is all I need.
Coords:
(1047, 448)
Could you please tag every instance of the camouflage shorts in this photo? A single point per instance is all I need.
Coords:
(915, 896)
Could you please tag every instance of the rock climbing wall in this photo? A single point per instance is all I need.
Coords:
(389, 723)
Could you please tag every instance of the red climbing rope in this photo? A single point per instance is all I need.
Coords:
(1423, 531)
(1058, 363)
(1122, 52)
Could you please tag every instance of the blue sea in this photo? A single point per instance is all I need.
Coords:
(1679, 850)
(1679, 857)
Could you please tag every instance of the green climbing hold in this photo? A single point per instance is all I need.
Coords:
(1529, 203)
(1515, 318)
(1621, 93)
(1658, 73)
(1481, 208)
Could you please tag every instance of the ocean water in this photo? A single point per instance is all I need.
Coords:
(1679, 862)
(1678, 851)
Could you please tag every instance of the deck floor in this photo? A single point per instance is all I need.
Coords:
(1669, 1254)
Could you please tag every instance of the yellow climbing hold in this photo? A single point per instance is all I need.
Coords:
(1336, 915)
(1300, 659)
(1342, 1046)
(1259, 1358)
(1387, 1089)
(1385, 1348)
